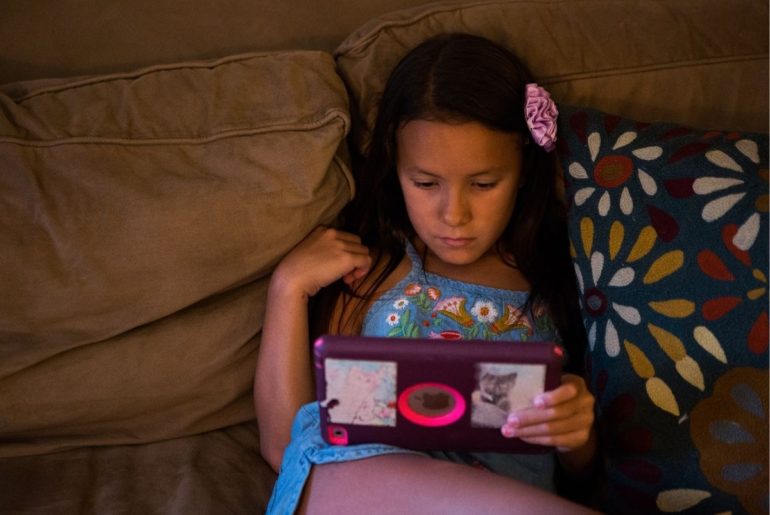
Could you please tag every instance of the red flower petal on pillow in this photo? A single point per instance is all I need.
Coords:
(713, 266)
(680, 188)
(728, 233)
(620, 408)
(663, 223)
(758, 336)
(601, 382)
(733, 135)
(715, 309)
(578, 122)
(710, 135)
(611, 123)
(675, 132)
(636, 440)
(642, 471)
(688, 150)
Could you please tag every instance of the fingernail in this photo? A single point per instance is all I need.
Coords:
(513, 421)
(508, 431)
(539, 402)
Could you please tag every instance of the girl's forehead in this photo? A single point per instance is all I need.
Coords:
(432, 146)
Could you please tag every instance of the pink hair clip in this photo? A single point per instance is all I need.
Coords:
(541, 113)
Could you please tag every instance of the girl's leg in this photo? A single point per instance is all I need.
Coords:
(404, 483)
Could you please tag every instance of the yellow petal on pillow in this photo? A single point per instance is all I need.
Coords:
(759, 275)
(680, 499)
(670, 343)
(643, 244)
(587, 234)
(617, 232)
(709, 342)
(674, 308)
(662, 396)
(572, 251)
(689, 369)
(664, 266)
(641, 365)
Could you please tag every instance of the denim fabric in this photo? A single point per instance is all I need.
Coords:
(308, 448)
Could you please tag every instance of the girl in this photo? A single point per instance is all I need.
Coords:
(456, 202)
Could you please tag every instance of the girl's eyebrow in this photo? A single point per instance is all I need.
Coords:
(417, 169)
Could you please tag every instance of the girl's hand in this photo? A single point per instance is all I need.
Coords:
(324, 256)
(562, 417)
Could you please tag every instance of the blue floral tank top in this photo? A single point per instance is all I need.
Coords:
(427, 305)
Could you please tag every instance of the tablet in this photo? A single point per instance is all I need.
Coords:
(428, 394)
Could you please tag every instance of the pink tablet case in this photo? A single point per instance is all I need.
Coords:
(429, 394)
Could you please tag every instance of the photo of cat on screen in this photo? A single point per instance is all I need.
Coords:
(502, 388)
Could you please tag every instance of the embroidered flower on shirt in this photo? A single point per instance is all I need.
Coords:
(454, 308)
(484, 311)
(393, 319)
(401, 303)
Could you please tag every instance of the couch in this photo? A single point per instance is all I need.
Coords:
(158, 158)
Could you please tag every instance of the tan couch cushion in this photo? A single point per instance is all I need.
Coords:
(698, 62)
(140, 215)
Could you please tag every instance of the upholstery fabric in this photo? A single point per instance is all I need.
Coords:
(140, 216)
(594, 53)
(669, 227)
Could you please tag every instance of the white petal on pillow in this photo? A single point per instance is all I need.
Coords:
(648, 183)
(623, 277)
(577, 171)
(648, 153)
(680, 499)
(717, 208)
(604, 204)
(626, 202)
(582, 195)
(706, 185)
(628, 313)
(749, 149)
(709, 342)
(594, 142)
(624, 139)
(722, 160)
(597, 264)
(611, 340)
(592, 336)
(747, 233)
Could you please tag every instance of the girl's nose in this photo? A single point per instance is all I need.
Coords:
(455, 209)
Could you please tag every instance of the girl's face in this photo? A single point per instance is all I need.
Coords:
(460, 183)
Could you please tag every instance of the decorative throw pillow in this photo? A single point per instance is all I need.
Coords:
(141, 214)
(668, 226)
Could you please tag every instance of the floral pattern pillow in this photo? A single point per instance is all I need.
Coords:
(668, 229)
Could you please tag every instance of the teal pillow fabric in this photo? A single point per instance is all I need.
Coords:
(668, 229)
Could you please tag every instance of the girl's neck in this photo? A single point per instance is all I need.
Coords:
(489, 270)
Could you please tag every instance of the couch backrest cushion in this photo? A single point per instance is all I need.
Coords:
(703, 63)
(140, 215)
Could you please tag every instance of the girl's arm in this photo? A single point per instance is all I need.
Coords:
(563, 418)
(283, 379)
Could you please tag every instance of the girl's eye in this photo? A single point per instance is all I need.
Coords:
(484, 185)
(424, 184)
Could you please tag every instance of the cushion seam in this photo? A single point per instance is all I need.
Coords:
(313, 124)
(693, 63)
(136, 74)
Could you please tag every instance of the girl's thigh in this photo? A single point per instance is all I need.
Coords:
(406, 483)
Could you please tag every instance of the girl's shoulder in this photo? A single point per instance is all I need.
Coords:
(350, 307)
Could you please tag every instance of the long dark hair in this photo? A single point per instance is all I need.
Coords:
(458, 78)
